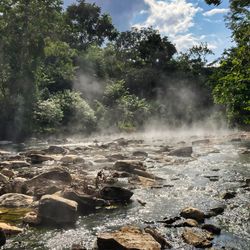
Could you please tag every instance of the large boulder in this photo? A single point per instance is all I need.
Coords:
(116, 194)
(57, 210)
(193, 213)
(48, 182)
(127, 238)
(16, 200)
(182, 152)
(86, 203)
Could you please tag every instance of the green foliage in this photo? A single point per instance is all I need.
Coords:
(121, 109)
(232, 84)
(56, 71)
(48, 115)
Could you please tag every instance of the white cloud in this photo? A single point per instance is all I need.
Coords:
(215, 11)
(186, 41)
(170, 17)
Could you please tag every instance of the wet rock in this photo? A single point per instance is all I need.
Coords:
(32, 219)
(4, 153)
(39, 158)
(72, 159)
(16, 200)
(57, 210)
(158, 237)
(48, 182)
(197, 238)
(245, 152)
(211, 228)
(86, 203)
(127, 238)
(7, 172)
(10, 230)
(56, 150)
(203, 141)
(182, 152)
(140, 154)
(193, 213)
(2, 238)
(228, 195)
(142, 181)
(3, 179)
(16, 185)
(215, 211)
(14, 164)
(116, 194)
(129, 165)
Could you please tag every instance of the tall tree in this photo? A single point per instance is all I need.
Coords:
(86, 25)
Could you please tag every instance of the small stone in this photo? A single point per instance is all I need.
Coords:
(16, 200)
(32, 219)
(193, 213)
(39, 158)
(56, 150)
(190, 223)
(3, 179)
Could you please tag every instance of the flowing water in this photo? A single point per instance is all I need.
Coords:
(215, 168)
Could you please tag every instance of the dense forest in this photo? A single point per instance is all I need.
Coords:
(71, 71)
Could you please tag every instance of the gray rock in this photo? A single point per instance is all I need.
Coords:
(182, 152)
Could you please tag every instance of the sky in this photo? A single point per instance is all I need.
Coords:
(184, 22)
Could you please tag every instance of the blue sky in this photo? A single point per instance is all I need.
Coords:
(185, 22)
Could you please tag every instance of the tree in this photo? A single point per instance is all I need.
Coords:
(231, 81)
(144, 47)
(86, 25)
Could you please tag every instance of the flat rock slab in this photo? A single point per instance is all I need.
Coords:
(16, 200)
(127, 238)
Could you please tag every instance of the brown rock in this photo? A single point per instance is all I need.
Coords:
(127, 238)
(190, 223)
(15, 164)
(197, 238)
(193, 213)
(7, 172)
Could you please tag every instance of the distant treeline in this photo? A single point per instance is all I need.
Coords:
(72, 71)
